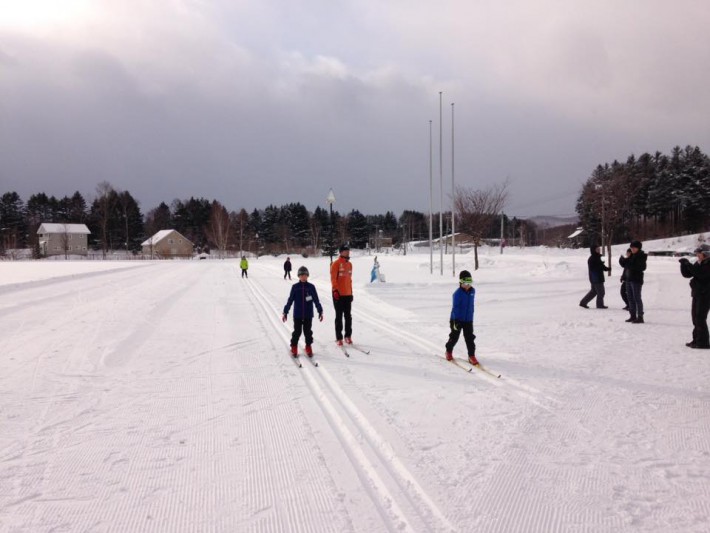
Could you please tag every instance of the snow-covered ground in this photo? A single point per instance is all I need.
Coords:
(159, 396)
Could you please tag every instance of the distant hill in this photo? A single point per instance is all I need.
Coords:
(546, 221)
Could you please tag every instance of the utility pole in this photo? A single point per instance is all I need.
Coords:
(431, 199)
(453, 199)
(441, 188)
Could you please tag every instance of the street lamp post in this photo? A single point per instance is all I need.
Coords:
(331, 200)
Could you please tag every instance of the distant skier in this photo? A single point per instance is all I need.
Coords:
(341, 279)
(303, 296)
(375, 272)
(635, 265)
(596, 268)
(287, 268)
(244, 265)
(699, 272)
(462, 318)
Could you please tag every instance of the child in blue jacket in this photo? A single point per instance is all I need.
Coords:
(303, 296)
(462, 318)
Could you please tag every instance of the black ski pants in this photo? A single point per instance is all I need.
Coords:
(624, 296)
(342, 310)
(468, 336)
(596, 290)
(699, 311)
(306, 326)
(244, 273)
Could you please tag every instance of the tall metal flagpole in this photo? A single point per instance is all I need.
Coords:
(441, 189)
(431, 196)
(453, 198)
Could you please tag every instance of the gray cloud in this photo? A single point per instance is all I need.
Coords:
(270, 102)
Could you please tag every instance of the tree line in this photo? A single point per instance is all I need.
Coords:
(652, 196)
(116, 222)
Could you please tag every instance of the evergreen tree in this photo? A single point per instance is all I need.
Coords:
(13, 228)
(357, 229)
(158, 219)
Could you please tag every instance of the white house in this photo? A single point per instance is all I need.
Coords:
(63, 239)
(167, 243)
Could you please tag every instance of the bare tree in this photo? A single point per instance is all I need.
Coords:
(477, 209)
(240, 225)
(218, 230)
(64, 241)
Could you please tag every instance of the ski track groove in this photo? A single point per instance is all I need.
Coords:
(292, 515)
(412, 492)
(39, 473)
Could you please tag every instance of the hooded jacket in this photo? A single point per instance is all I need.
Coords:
(596, 266)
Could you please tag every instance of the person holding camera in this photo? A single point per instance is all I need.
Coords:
(699, 274)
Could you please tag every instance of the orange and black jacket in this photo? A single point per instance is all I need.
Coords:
(341, 276)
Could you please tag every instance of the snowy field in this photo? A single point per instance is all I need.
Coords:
(159, 397)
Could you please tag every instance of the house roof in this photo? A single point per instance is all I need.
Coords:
(578, 231)
(155, 239)
(63, 228)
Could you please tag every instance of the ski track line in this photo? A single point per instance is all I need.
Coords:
(527, 392)
(382, 499)
(383, 451)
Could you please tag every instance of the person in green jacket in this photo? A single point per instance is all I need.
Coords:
(244, 265)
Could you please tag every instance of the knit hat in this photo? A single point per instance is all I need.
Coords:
(703, 249)
(343, 247)
(635, 244)
(465, 277)
(303, 270)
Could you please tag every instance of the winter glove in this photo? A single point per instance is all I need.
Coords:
(455, 325)
(336, 295)
(284, 317)
(320, 317)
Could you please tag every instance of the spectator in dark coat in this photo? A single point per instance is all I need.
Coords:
(287, 268)
(596, 268)
(622, 290)
(699, 272)
(635, 265)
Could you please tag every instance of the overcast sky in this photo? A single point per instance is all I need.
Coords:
(253, 102)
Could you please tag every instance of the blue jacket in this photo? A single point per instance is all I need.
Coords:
(462, 309)
(303, 296)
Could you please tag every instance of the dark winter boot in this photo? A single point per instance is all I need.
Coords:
(449, 356)
(632, 319)
(309, 350)
(639, 319)
(294, 350)
(472, 359)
